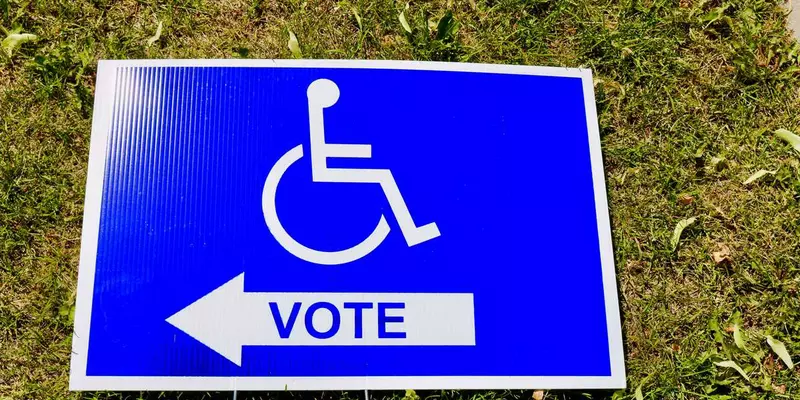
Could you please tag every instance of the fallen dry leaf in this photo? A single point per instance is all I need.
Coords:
(685, 199)
(634, 266)
(538, 394)
(722, 255)
(779, 389)
(769, 363)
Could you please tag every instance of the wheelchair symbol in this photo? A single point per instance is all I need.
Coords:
(322, 94)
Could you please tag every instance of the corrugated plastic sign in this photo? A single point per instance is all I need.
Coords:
(272, 225)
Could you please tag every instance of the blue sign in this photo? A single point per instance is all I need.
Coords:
(316, 225)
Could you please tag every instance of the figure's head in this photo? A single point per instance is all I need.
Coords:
(323, 92)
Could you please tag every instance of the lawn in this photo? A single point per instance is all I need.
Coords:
(690, 94)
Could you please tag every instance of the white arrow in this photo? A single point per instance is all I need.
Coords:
(228, 318)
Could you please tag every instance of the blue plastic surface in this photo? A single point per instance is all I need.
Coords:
(500, 162)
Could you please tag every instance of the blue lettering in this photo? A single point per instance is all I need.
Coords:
(310, 320)
(383, 319)
(284, 330)
(358, 309)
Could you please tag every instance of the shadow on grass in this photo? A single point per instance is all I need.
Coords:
(352, 395)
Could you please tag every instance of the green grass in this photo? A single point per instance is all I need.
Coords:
(680, 85)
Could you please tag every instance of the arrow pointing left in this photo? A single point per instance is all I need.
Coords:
(228, 318)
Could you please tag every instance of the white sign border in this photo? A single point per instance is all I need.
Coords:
(101, 123)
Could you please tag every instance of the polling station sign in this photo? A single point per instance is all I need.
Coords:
(323, 225)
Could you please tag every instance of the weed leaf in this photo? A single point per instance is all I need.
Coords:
(358, 17)
(758, 175)
(294, 46)
(14, 39)
(789, 137)
(732, 364)
(676, 235)
(779, 349)
(445, 27)
(638, 393)
(737, 338)
(67, 311)
(411, 395)
(715, 14)
(403, 22)
(155, 37)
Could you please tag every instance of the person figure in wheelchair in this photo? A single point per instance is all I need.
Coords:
(322, 94)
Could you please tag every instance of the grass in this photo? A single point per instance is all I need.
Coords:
(689, 93)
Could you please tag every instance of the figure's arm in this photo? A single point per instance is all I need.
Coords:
(347, 150)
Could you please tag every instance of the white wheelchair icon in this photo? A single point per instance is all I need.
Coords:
(323, 93)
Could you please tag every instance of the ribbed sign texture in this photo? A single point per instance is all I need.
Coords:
(322, 225)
